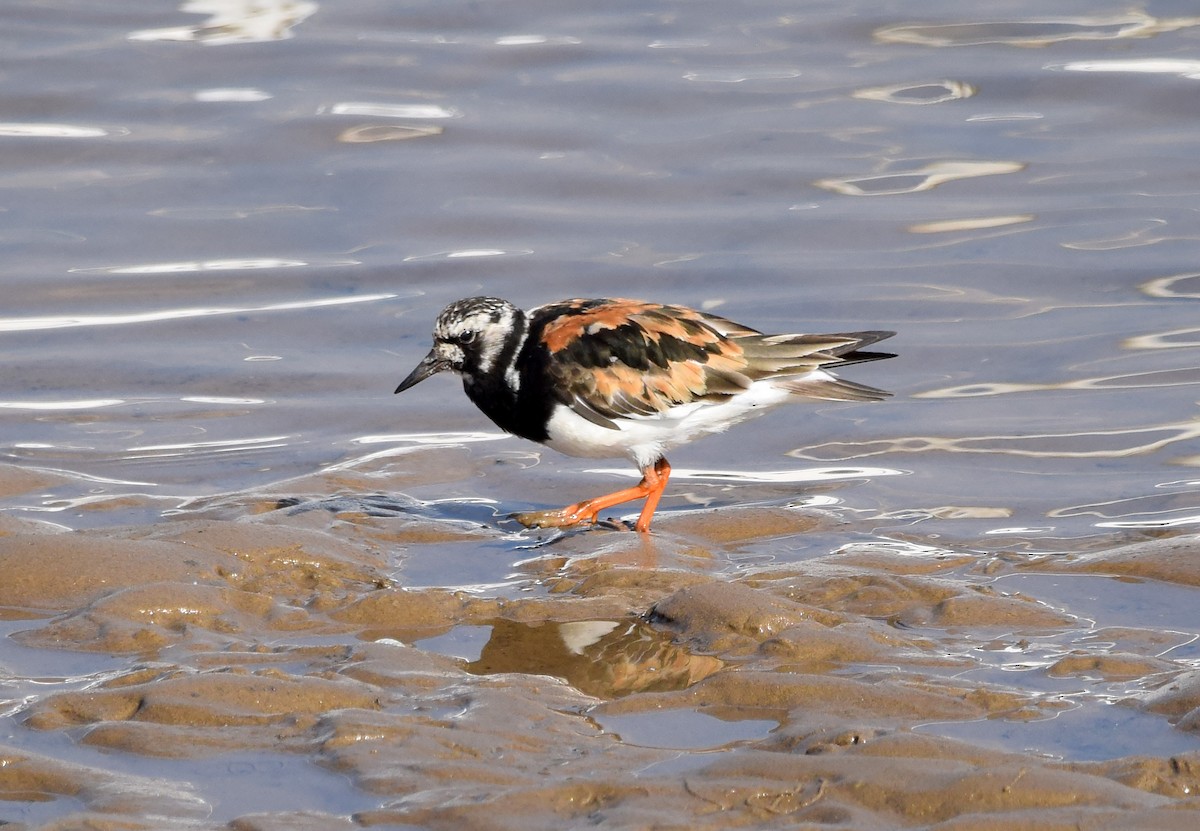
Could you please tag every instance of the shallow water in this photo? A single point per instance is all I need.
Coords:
(227, 228)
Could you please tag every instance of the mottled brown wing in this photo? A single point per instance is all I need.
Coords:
(615, 358)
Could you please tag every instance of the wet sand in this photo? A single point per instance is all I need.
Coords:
(618, 680)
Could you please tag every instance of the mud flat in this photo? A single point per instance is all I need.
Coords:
(607, 679)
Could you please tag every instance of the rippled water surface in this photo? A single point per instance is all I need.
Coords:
(227, 227)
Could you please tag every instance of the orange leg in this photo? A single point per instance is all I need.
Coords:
(654, 482)
(655, 479)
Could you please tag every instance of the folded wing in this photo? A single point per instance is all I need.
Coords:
(623, 358)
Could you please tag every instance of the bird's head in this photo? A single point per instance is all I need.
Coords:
(468, 336)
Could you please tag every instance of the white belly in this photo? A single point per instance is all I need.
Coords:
(646, 438)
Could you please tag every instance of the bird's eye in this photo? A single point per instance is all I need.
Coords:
(467, 337)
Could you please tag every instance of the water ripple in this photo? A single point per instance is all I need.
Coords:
(740, 76)
(1042, 32)
(240, 95)
(192, 266)
(468, 253)
(394, 110)
(977, 223)
(1185, 376)
(820, 474)
(1168, 286)
(1184, 68)
(29, 324)
(39, 130)
(936, 92)
(169, 451)
(235, 21)
(537, 40)
(1150, 234)
(1161, 510)
(898, 548)
(1174, 339)
(53, 406)
(919, 179)
(401, 444)
(370, 133)
(1095, 444)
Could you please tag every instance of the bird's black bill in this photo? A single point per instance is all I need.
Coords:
(431, 364)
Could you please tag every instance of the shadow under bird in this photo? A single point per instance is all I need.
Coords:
(610, 378)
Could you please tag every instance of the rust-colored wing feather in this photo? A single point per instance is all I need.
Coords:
(615, 358)
(610, 358)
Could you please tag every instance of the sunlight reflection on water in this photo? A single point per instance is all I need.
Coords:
(1041, 32)
(25, 324)
(235, 21)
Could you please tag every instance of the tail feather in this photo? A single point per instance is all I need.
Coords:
(814, 350)
(857, 357)
(862, 339)
(834, 389)
(801, 363)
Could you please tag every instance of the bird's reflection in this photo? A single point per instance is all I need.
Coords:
(604, 658)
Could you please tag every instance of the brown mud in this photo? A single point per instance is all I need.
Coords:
(621, 681)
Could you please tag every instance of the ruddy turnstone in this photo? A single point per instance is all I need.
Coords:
(606, 377)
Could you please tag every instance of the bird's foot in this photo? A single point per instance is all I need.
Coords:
(654, 480)
(561, 518)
